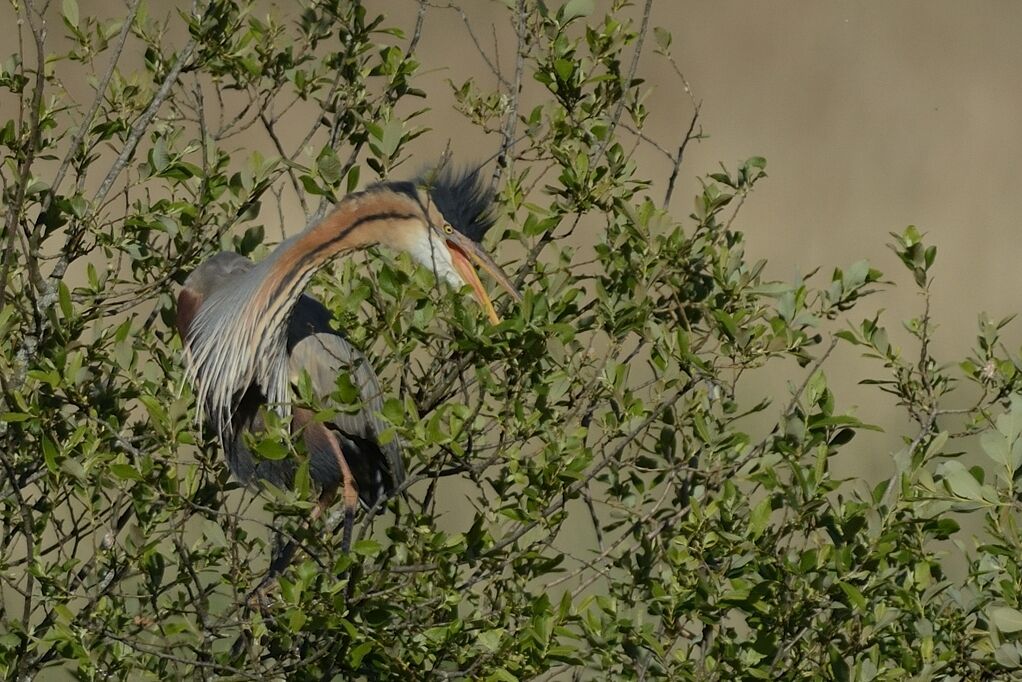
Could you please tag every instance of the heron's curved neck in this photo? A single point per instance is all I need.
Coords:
(358, 221)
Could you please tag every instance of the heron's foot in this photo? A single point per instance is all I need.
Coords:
(243, 642)
(282, 559)
(259, 598)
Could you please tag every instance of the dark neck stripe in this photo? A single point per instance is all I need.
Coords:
(306, 264)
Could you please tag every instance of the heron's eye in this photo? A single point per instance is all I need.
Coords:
(448, 229)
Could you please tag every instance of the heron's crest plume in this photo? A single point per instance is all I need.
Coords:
(461, 196)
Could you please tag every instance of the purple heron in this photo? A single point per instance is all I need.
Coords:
(250, 332)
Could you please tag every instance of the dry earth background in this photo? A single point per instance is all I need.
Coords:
(872, 116)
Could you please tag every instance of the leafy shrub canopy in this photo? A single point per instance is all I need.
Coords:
(588, 495)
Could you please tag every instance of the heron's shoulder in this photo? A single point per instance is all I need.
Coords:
(217, 272)
(188, 303)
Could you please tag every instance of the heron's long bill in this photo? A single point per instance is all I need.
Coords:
(463, 255)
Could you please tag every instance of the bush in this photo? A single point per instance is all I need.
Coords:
(589, 496)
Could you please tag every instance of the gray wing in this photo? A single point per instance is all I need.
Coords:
(323, 354)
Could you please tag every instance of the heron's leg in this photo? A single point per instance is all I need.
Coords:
(349, 497)
(317, 436)
(325, 445)
(282, 549)
(281, 559)
(286, 551)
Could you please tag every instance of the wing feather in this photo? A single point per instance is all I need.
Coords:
(316, 349)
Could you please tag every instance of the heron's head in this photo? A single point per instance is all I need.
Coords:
(458, 209)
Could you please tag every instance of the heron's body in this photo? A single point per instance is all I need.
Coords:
(250, 332)
(324, 354)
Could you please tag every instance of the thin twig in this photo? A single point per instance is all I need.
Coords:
(679, 157)
(632, 70)
(507, 130)
(17, 206)
(90, 116)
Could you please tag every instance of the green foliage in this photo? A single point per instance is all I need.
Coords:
(595, 489)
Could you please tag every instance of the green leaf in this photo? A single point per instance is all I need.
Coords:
(357, 653)
(267, 448)
(70, 8)
(962, 483)
(311, 186)
(759, 517)
(353, 175)
(390, 138)
(501, 675)
(490, 640)
(815, 387)
(214, 533)
(124, 353)
(74, 468)
(79, 207)
(329, 166)
(663, 38)
(855, 598)
(577, 8)
(64, 298)
(161, 159)
(50, 455)
(1007, 655)
(366, 548)
(1003, 444)
(1006, 618)
(125, 472)
(394, 411)
(296, 620)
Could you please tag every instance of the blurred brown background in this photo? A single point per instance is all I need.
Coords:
(872, 116)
